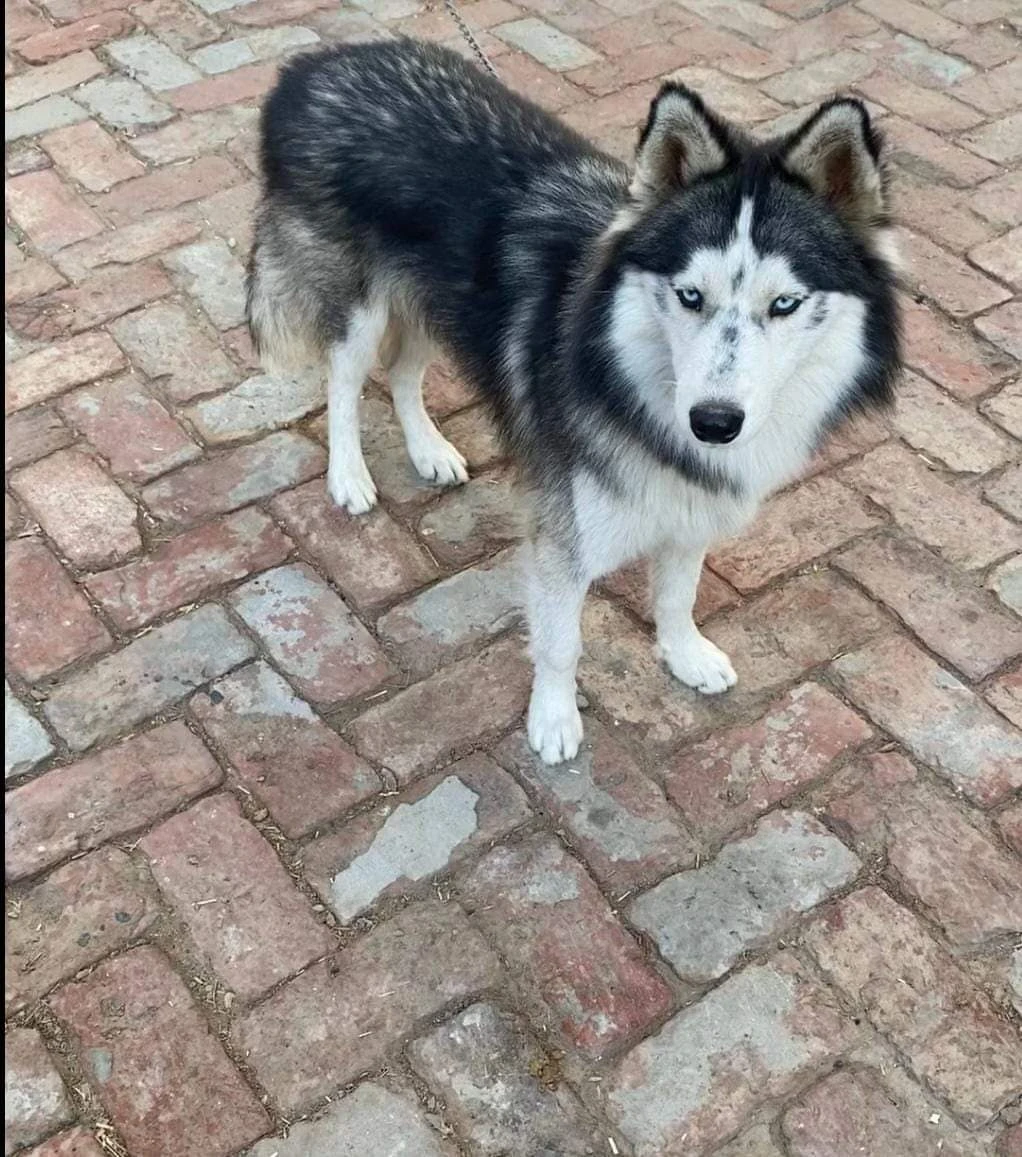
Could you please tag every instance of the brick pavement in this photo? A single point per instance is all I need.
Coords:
(283, 877)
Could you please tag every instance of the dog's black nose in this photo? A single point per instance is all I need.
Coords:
(716, 422)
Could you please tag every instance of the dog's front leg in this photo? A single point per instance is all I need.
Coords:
(555, 592)
(691, 657)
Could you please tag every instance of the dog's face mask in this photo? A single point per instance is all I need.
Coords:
(746, 276)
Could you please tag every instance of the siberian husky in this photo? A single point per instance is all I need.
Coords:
(661, 345)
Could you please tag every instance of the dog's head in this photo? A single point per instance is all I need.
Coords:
(753, 280)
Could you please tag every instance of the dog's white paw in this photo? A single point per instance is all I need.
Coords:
(698, 663)
(436, 460)
(354, 489)
(555, 727)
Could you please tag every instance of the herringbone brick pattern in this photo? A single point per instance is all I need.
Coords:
(283, 877)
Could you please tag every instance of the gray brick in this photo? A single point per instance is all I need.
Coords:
(223, 57)
(35, 1100)
(148, 675)
(25, 740)
(147, 60)
(52, 112)
(215, 277)
(548, 45)
(257, 405)
(124, 104)
(703, 920)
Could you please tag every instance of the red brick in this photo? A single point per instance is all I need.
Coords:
(632, 586)
(732, 777)
(931, 157)
(951, 615)
(911, 990)
(57, 368)
(167, 188)
(155, 1063)
(130, 244)
(946, 279)
(165, 343)
(32, 278)
(951, 520)
(76, 1142)
(44, 81)
(227, 481)
(618, 819)
(989, 46)
(268, 12)
(371, 560)
(444, 391)
(281, 752)
(335, 1021)
(849, 440)
(80, 508)
(794, 528)
(950, 355)
(456, 709)
(177, 23)
(49, 212)
(80, 913)
(72, 809)
(941, 213)
(634, 67)
(550, 922)
(1000, 141)
(1001, 257)
(819, 34)
(475, 435)
(48, 622)
(852, 1113)
(311, 634)
(938, 718)
(187, 137)
(36, 1101)
(105, 295)
(189, 566)
(90, 156)
(228, 88)
(552, 90)
(1010, 824)
(1009, 1144)
(947, 864)
(429, 828)
(86, 33)
(1005, 694)
(472, 520)
(21, 20)
(994, 92)
(129, 428)
(33, 434)
(914, 19)
(258, 929)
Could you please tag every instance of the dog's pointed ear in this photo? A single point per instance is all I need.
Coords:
(681, 141)
(837, 153)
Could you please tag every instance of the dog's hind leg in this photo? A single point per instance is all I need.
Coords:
(351, 360)
(432, 455)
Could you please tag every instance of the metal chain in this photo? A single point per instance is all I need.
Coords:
(470, 39)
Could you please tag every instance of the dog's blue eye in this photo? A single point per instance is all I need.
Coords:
(783, 305)
(690, 298)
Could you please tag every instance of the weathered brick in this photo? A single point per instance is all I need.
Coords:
(123, 104)
(21, 20)
(551, 47)
(32, 279)
(1006, 582)
(145, 677)
(1006, 491)
(232, 212)
(129, 427)
(915, 20)
(851, 1113)
(731, 98)
(178, 23)
(164, 342)
(428, 828)
(129, 244)
(234, 479)
(280, 751)
(311, 634)
(943, 214)
(631, 585)
(371, 559)
(259, 929)
(794, 528)
(333, 1022)
(48, 211)
(35, 1100)
(91, 156)
(617, 818)
(25, 740)
(145, 1045)
(187, 567)
(227, 88)
(200, 133)
(48, 621)
(457, 708)
(999, 200)
(995, 91)
(728, 779)
(371, 1121)
(954, 522)
(473, 520)
(925, 106)
(949, 865)
(90, 519)
(931, 156)
(752, 20)
(257, 405)
(754, 1038)
(167, 188)
(77, 1142)
(1005, 694)
(152, 63)
(1003, 327)
(911, 990)
(82, 34)
(818, 78)
(946, 279)
(550, 922)
(58, 367)
(947, 611)
(52, 112)
(999, 141)
(485, 1066)
(938, 718)
(704, 920)
(215, 277)
(76, 916)
(105, 295)
(37, 83)
(1001, 257)
(73, 809)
